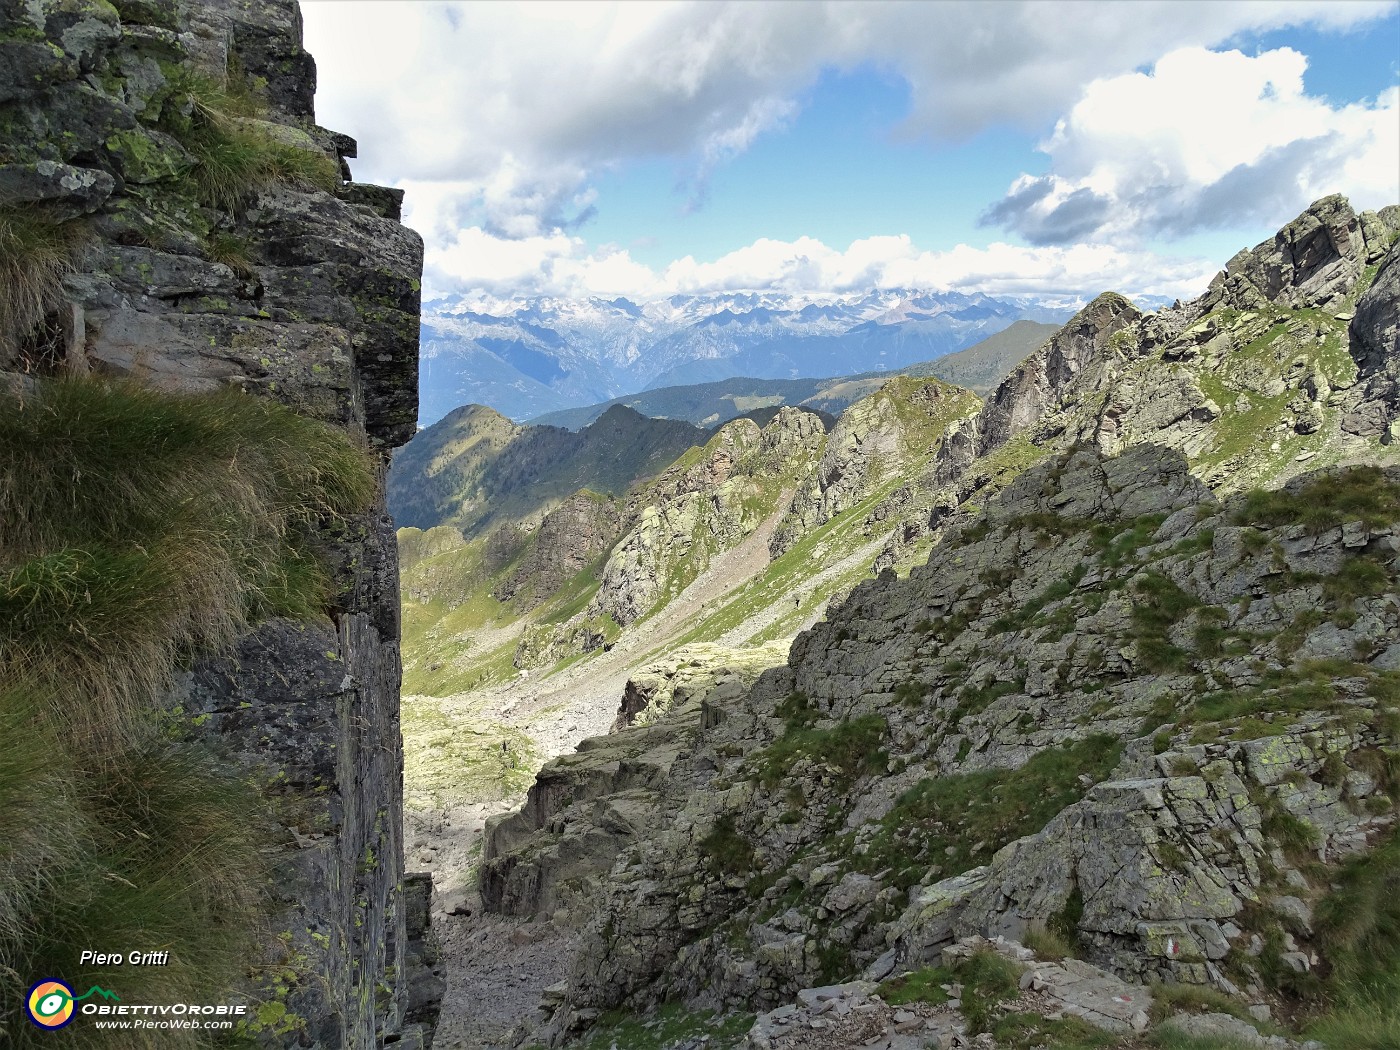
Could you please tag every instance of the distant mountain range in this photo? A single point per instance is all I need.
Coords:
(979, 368)
(529, 357)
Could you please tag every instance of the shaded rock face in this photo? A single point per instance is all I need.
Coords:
(1150, 680)
(1374, 408)
(1313, 261)
(696, 510)
(570, 538)
(585, 808)
(873, 442)
(307, 297)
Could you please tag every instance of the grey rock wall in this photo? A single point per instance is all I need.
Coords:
(316, 307)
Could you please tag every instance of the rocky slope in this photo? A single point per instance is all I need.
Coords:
(1109, 704)
(705, 504)
(1253, 383)
(878, 442)
(174, 216)
(1109, 697)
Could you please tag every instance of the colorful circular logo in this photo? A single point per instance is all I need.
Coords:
(50, 1004)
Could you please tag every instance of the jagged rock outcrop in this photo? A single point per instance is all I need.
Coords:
(585, 807)
(570, 538)
(1103, 698)
(874, 443)
(1311, 262)
(1373, 407)
(1265, 375)
(704, 505)
(294, 287)
(692, 673)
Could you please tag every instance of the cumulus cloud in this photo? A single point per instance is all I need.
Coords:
(518, 106)
(563, 265)
(1206, 139)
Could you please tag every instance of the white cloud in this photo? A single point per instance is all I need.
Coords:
(1206, 139)
(517, 105)
(564, 266)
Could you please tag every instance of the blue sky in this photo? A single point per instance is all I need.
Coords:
(1016, 148)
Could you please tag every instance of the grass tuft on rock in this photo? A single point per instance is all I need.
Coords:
(148, 525)
(236, 156)
(946, 825)
(848, 749)
(1364, 494)
(140, 529)
(35, 252)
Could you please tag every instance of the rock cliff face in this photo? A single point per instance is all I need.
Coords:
(704, 505)
(291, 284)
(878, 440)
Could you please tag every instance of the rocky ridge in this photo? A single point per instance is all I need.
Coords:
(696, 509)
(803, 820)
(881, 438)
(1262, 377)
(1170, 683)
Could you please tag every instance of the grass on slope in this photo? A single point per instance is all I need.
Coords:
(456, 758)
(787, 576)
(149, 525)
(141, 528)
(1256, 415)
(475, 469)
(671, 1025)
(35, 253)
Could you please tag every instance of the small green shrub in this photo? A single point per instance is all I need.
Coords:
(1356, 494)
(988, 979)
(849, 749)
(725, 851)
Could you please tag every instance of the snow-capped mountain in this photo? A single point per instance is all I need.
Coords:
(529, 356)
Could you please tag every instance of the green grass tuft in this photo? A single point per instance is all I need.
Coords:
(149, 525)
(234, 156)
(849, 749)
(953, 823)
(140, 529)
(35, 252)
(1363, 494)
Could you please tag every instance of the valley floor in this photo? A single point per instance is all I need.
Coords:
(497, 967)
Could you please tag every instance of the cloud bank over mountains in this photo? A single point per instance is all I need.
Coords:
(1201, 139)
(499, 119)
